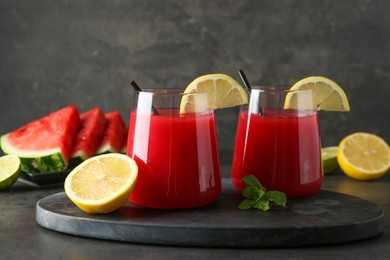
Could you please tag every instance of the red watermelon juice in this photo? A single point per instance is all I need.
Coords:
(281, 148)
(177, 157)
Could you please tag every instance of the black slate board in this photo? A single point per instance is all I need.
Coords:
(47, 177)
(321, 219)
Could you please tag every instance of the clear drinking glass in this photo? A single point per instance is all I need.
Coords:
(176, 152)
(278, 141)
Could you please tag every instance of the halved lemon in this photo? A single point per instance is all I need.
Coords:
(9, 170)
(327, 95)
(222, 92)
(103, 183)
(364, 156)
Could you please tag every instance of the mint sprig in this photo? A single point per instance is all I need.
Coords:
(257, 197)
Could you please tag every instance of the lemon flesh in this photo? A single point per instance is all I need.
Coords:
(329, 159)
(327, 95)
(364, 156)
(222, 92)
(102, 183)
(9, 170)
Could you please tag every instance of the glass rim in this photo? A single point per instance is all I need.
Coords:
(167, 91)
(278, 89)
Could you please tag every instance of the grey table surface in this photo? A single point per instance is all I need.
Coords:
(21, 237)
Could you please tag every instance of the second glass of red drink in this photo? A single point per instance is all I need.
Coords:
(278, 141)
(175, 150)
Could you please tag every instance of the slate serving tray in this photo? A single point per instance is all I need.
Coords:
(321, 219)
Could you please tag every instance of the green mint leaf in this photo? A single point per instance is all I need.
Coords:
(261, 193)
(277, 197)
(250, 192)
(246, 204)
(257, 197)
(251, 180)
(261, 204)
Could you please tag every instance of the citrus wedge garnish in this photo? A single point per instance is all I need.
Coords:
(364, 156)
(9, 170)
(222, 92)
(329, 159)
(327, 95)
(103, 183)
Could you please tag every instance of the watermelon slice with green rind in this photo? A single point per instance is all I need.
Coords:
(112, 140)
(45, 144)
(88, 138)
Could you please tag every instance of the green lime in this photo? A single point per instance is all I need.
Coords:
(329, 159)
(9, 170)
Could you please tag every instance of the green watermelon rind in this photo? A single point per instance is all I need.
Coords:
(107, 148)
(49, 163)
(76, 159)
(50, 160)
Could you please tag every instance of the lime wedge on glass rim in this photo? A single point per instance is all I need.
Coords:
(329, 159)
(222, 92)
(9, 170)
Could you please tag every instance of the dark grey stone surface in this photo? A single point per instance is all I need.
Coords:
(321, 219)
(56, 53)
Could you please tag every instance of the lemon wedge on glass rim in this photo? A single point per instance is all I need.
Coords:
(327, 95)
(222, 92)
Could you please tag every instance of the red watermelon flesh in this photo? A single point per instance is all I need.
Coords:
(124, 141)
(113, 136)
(88, 138)
(37, 141)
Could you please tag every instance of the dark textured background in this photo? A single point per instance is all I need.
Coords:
(56, 53)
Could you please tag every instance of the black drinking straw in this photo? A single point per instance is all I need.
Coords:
(137, 88)
(245, 80)
(249, 88)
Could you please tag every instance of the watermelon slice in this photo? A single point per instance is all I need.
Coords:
(113, 136)
(88, 138)
(44, 145)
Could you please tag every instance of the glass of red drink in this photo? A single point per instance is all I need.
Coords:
(176, 152)
(279, 143)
